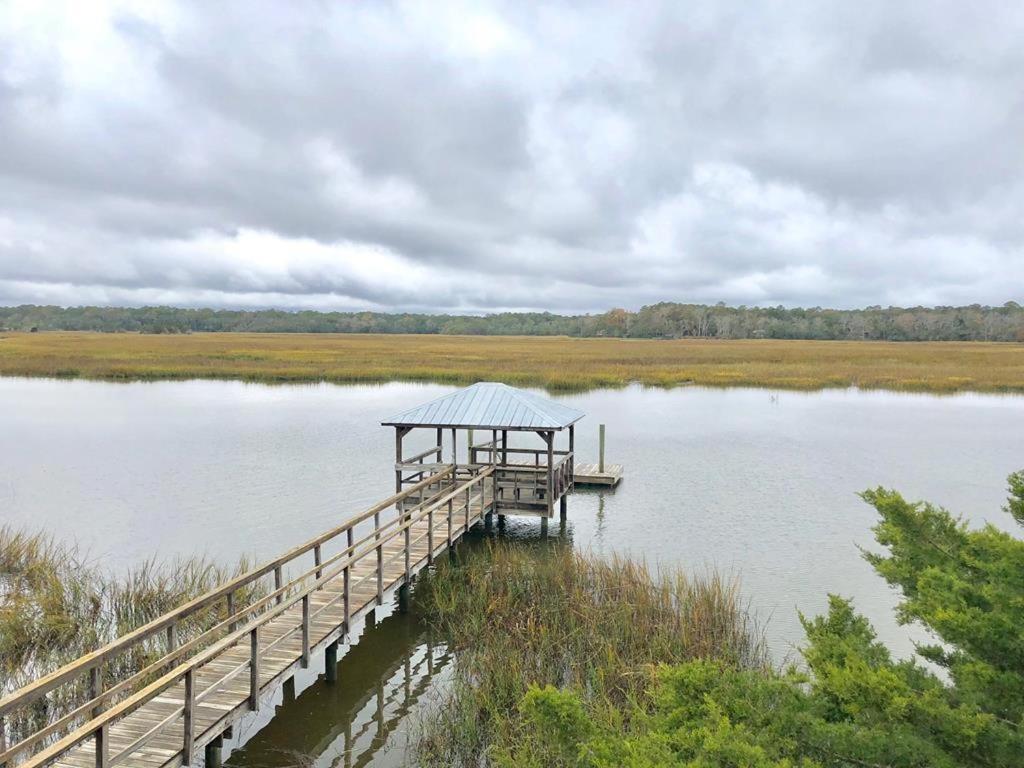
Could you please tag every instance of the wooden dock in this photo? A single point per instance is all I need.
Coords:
(250, 640)
(591, 474)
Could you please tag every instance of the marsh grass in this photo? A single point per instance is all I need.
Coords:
(554, 363)
(516, 615)
(56, 605)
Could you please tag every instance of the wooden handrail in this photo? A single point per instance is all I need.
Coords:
(181, 650)
(47, 683)
(406, 520)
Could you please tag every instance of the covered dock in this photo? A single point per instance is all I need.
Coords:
(528, 480)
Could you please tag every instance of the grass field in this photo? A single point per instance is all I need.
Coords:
(555, 363)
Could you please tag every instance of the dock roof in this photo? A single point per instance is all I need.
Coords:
(489, 405)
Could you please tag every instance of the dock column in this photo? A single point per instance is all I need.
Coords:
(331, 663)
(600, 449)
(403, 598)
(563, 508)
(544, 527)
(213, 753)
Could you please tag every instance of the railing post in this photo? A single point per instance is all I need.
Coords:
(347, 578)
(467, 509)
(430, 536)
(305, 631)
(95, 689)
(278, 583)
(380, 575)
(450, 508)
(254, 669)
(102, 747)
(190, 705)
(317, 560)
(172, 637)
(408, 546)
(231, 611)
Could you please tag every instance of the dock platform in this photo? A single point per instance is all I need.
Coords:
(590, 474)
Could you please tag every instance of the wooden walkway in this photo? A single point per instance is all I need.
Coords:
(206, 683)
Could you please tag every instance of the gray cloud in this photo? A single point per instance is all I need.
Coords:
(462, 157)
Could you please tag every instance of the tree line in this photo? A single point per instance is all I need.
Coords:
(667, 320)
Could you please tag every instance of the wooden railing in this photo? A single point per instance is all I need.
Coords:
(268, 607)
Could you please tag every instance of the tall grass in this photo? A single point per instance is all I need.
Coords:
(516, 616)
(555, 363)
(56, 605)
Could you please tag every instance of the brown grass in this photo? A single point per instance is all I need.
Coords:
(555, 363)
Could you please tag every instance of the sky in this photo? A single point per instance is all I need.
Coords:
(478, 157)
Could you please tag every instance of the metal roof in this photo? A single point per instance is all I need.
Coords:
(489, 405)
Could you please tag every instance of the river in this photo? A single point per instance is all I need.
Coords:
(760, 484)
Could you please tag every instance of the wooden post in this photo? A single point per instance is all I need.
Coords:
(504, 447)
(600, 449)
(469, 448)
(172, 637)
(455, 453)
(572, 455)
(102, 745)
(317, 560)
(254, 669)
(231, 611)
(305, 631)
(95, 689)
(403, 598)
(450, 508)
(278, 583)
(549, 438)
(331, 663)
(562, 507)
(190, 706)
(430, 537)
(212, 753)
(346, 589)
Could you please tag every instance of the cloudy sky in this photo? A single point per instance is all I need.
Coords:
(467, 156)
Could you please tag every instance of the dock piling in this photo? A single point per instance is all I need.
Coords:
(600, 449)
(331, 663)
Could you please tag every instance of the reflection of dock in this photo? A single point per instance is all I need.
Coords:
(381, 680)
(591, 474)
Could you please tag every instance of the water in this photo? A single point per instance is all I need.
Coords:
(759, 484)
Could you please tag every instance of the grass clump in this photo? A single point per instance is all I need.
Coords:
(56, 606)
(518, 618)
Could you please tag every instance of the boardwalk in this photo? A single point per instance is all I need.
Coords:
(203, 685)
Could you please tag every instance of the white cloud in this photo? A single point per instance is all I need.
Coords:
(489, 156)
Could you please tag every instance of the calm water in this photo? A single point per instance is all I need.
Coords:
(759, 484)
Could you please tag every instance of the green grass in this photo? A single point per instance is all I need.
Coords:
(554, 363)
(516, 616)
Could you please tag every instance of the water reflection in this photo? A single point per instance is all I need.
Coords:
(362, 718)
